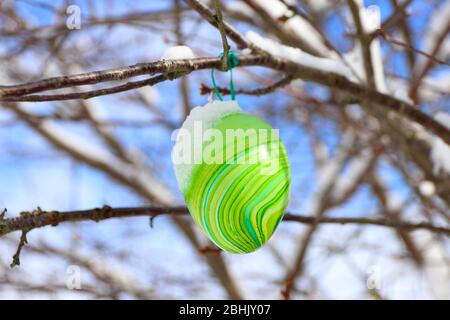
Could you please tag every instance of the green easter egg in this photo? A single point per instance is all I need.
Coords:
(238, 191)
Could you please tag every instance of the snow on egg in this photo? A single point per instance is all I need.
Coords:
(234, 174)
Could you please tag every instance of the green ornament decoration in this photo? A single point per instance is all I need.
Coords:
(234, 174)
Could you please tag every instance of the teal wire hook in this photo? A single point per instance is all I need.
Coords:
(232, 62)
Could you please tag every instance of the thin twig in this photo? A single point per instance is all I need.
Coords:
(232, 33)
(388, 38)
(399, 10)
(90, 94)
(23, 241)
(418, 78)
(221, 27)
(204, 89)
(403, 25)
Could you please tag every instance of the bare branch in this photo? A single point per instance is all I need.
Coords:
(365, 43)
(204, 89)
(409, 47)
(398, 12)
(37, 219)
(221, 26)
(23, 241)
(89, 94)
(207, 14)
(162, 66)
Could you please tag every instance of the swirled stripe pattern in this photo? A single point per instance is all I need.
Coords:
(238, 203)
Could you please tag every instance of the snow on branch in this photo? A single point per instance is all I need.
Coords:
(294, 24)
(299, 56)
(177, 53)
(366, 55)
(440, 153)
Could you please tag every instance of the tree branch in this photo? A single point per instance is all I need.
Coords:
(232, 33)
(92, 93)
(204, 89)
(223, 35)
(365, 43)
(332, 80)
(38, 218)
(380, 32)
(121, 73)
(399, 11)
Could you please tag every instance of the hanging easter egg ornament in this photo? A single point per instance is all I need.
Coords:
(234, 174)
